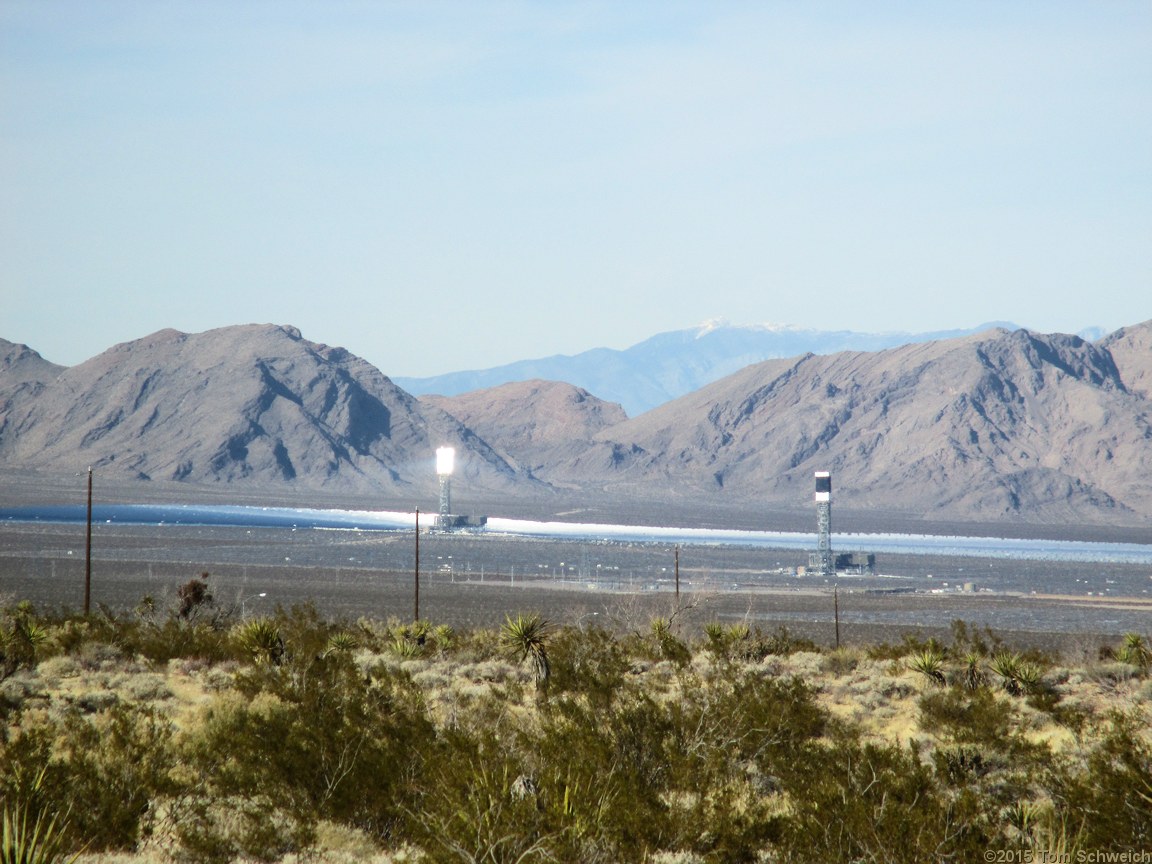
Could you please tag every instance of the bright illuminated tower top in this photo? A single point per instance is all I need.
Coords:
(445, 460)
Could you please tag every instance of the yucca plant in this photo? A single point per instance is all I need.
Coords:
(661, 629)
(930, 664)
(714, 630)
(20, 642)
(442, 636)
(525, 636)
(404, 647)
(1134, 651)
(342, 643)
(1023, 817)
(739, 632)
(1006, 666)
(669, 647)
(260, 638)
(973, 675)
(36, 841)
(1029, 676)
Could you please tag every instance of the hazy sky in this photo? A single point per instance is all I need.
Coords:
(452, 185)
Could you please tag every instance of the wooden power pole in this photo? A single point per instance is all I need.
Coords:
(88, 552)
(416, 580)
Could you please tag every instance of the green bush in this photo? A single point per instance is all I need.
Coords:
(106, 771)
(317, 740)
(1110, 800)
(866, 802)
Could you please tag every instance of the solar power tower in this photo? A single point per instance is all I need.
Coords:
(823, 561)
(445, 464)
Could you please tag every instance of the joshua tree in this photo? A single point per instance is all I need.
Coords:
(526, 636)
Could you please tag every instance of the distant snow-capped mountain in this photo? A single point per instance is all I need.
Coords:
(669, 365)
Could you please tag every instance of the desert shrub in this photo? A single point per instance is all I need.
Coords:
(665, 644)
(967, 717)
(480, 804)
(781, 642)
(591, 662)
(218, 830)
(104, 771)
(56, 668)
(968, 639)
(1110, 798)
(477, 645)
(177, 637)
(1018, 674)
(866, 802)
(959, 764)
(118, 763)
(747, 717)
(585, 758)
(910, 645)
(841, 661)
(311, 739)
(304, 631)
(972, 675)
(732, 734)
(146, 687)
(1013, 767)
(193, 597)
(16, 691)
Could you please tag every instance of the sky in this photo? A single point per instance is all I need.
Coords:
(439, 186)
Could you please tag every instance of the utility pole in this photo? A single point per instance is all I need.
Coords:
(677, 577)
(88, 552)
(836, 610)
(416, 581)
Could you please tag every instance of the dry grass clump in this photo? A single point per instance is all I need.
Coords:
(292, 738)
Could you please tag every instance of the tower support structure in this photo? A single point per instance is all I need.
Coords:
(822, 561)
(445, 465)
(445, 499)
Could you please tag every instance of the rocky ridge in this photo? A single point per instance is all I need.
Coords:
(1002, 425)
(256, 403)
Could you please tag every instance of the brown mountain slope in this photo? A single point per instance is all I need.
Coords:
(19, 364)
(1131, 349)
(252, 403)
(536, 423)
(1000, 425)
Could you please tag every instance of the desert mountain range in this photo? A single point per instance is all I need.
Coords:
(1002, 425)
(673, 364)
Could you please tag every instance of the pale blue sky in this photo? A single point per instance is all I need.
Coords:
(451, 185)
